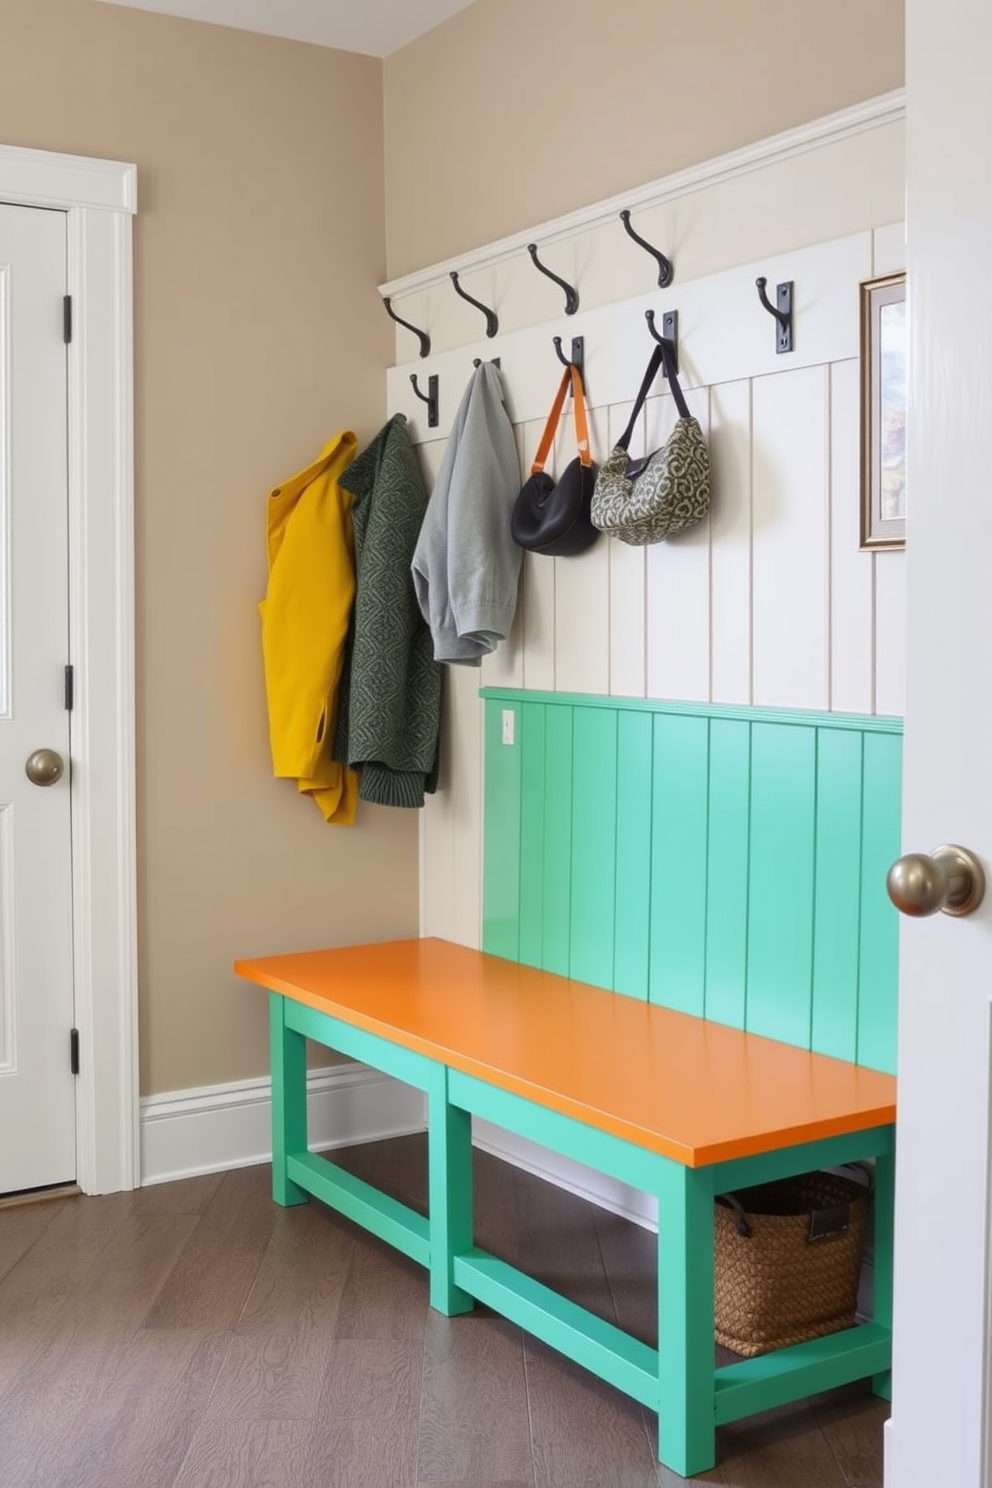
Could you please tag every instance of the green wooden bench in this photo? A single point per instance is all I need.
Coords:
(682, 1048)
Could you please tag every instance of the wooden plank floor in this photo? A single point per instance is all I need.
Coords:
(194, 1335)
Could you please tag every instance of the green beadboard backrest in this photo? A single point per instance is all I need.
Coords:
(726, 862)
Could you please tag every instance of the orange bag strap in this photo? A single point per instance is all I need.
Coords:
(574, 376)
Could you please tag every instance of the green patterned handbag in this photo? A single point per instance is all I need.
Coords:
(647, 500)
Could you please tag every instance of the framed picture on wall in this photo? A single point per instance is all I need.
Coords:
(884, 345)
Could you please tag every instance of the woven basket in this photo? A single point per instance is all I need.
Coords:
(794, 1274)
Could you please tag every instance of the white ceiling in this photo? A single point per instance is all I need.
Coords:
(376, 27)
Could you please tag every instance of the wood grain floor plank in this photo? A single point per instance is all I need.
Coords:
(267, 1378)
(397, 1166)
(211, 1281)
(369, 1415)
(584, 1433)
(64, 1251)
(133, 1268)
(113, 1281)
(474, 1417)
(852, 1421)
(184, 1196)
(45, 1405)
(783, 1448)
(497, 1224)
(21, 1228)
(401, 1169)
(302, 1273)
(164, 1339)
(253, 1454)
(385, 1294)
(137, 1426)
(630, 1259)
(557, 1234)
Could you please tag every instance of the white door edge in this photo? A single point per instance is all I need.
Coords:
(99, 197)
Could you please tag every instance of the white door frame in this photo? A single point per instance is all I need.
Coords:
(99, 198)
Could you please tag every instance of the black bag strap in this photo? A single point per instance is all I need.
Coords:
(662, 353)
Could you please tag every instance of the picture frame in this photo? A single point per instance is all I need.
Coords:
(884, 346)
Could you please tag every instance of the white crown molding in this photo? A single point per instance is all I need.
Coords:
(876, 113)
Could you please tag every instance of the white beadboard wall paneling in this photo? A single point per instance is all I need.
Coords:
(436, 826)
(431, 455)
(438, 833)
(890, 631)
(504, 667)
(769, 602)
(537, 585)
(678, 582)
(852, 598)
(790, 558)
(890, 249)
(781, 207)
(730, 542)
(628, 587)
(724, 335)
(464, 920)
(582, 597)
(833, 176)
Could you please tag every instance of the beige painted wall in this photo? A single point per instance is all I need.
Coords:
(258, 245)
(515, 111)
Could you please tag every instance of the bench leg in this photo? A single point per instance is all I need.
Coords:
(288, 1053)
(686, 1424)
(449, 1194)
(884, 1213)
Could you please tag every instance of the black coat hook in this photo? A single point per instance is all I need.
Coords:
(577, 358)
(571, 295)
(477, 361)
(425, 340)
(666, 269)
(669, 331)
(492, 322)
(430, 398)
(782, 311)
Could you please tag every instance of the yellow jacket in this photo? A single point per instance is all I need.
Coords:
(305, 616)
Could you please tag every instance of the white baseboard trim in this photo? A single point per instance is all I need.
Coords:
(218, 1127)
(608, 1193)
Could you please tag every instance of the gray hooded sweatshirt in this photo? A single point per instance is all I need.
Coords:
(466, 566)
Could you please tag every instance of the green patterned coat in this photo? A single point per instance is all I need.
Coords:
(390, 696)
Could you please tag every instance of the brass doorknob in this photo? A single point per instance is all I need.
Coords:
(950, 879)
(44, 767)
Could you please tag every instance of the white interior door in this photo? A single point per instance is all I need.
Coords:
(938, 1432)
(37, 1099)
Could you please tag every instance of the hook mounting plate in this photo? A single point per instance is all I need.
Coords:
(782, 311)
(577, 357)
(430, 397)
